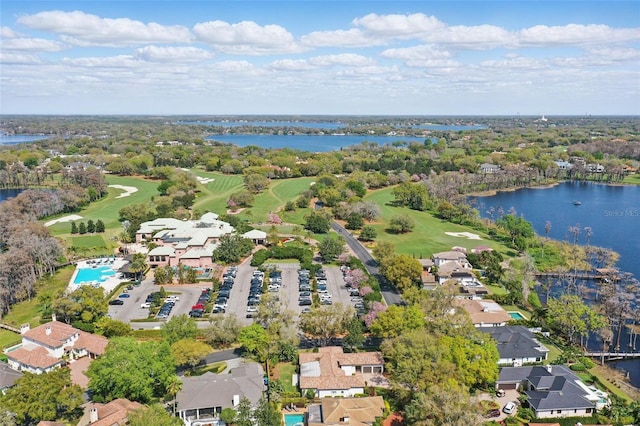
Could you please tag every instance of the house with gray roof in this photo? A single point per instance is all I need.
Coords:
(8, 377)
(552, 391)
(203, 398)
(517, 345)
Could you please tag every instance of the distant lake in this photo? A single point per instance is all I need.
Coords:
(330, 125)
(612, 212)
(15, 139)
(8, 193)
(312, 143)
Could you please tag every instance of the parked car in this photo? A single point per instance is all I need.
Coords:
(145, 305)
(195, 314)
(492, 413)
(124, 296)
(305, 302)
(116, 302)
(218, 310)
(252, 309)
(509, 408)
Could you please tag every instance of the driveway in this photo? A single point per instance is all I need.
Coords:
(510, 395)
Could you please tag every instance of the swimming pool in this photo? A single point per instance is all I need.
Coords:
(517, 315)
(99, 274)
(294, 419)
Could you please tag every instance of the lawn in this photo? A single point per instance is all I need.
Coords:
(214, 195)
(29, 310)
(88, 241)
(275, 197)
(428, 236)
(285, 374)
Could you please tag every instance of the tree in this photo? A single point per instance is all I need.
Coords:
(224, 330)
(396, 320)
(228, 415)
(112, 328)
(256, 183)
(99, 226)
(241, 198)
(173, 387)
(189, 352)
(520, 231)
(46, 396)
(401, 224)
(154, 415)
(355, 334)
(82, 228)
(568, 315)
(326, 322)
(74, 228)
(354, 221)
(442, 406)
(138, 264)
(317, 222)
(267, 414)
(331, 247)
(384, 250)
(91, 226)
(368, 233)
(232, 249)
(85, 304)
(402, 270)
(255, 340)
(244, 416)
(179, 327)
(132, 370)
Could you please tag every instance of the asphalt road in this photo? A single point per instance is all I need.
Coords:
(389, 292)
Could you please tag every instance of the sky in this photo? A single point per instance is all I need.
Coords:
(320, 57)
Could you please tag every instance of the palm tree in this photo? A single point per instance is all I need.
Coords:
(138, 264)
(174, 386)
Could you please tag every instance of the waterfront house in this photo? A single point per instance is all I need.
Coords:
(484, 313)
(8, 377)
(346, 411)
(517, 345)
(552, 391)
(203, 398)
(332, 373)
(114, 413)
(489, 168)
(451, 256)
(50, 345)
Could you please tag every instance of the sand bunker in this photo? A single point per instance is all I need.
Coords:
(69, 218)
(128, 190)
(468, 235)
(203, 180)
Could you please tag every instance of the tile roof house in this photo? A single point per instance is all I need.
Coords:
(8, 377)
(330, 372)
(346, 411)
(484, 313)
(203, 398)
(517, 345)
(114, 413)
(42, 348)
(188, 242)
(552, 391)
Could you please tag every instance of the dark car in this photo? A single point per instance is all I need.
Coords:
(218, 310)
(305, 302)
(492, 413)
(252, 314)
(195, 314)
(116, 302)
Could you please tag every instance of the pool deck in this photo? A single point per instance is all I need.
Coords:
(109, 284)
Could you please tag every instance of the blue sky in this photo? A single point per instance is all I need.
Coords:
(320, 57)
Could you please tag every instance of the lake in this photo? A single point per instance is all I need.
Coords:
(8, 193)
(330, 124)
(15, 139)
(612, 212)
(312, 143)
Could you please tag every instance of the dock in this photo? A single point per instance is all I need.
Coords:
(613, 356)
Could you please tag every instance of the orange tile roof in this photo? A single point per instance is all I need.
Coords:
(330, 359)
(114, 412)
(360, 411)
(34, 356)
(59, 334)
(91, 342)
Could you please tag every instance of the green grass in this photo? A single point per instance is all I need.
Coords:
(496, 289)
(88, 241)
(428, 236)
(286, 373)
(632, 179)
(29, 310)
(275, 197)
(214, 195)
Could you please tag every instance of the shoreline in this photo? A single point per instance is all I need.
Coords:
(492, 192)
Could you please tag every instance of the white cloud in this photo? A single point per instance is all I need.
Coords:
(6, 32)
(416, 53)
(18, 58)
(576, 35)
(247, 38)
(406, 26)
(345, 59)
(32, 44)
(340, 38)
(172, 54)
(291, 65)
(121, 61)
(472, 37)
(84, 29)
(234, 66)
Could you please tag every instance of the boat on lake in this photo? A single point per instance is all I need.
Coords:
(577, 203)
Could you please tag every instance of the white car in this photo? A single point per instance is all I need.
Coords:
(252, 309)
(325, 296)
(145, 305)
(173, 299)
(509, 407)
